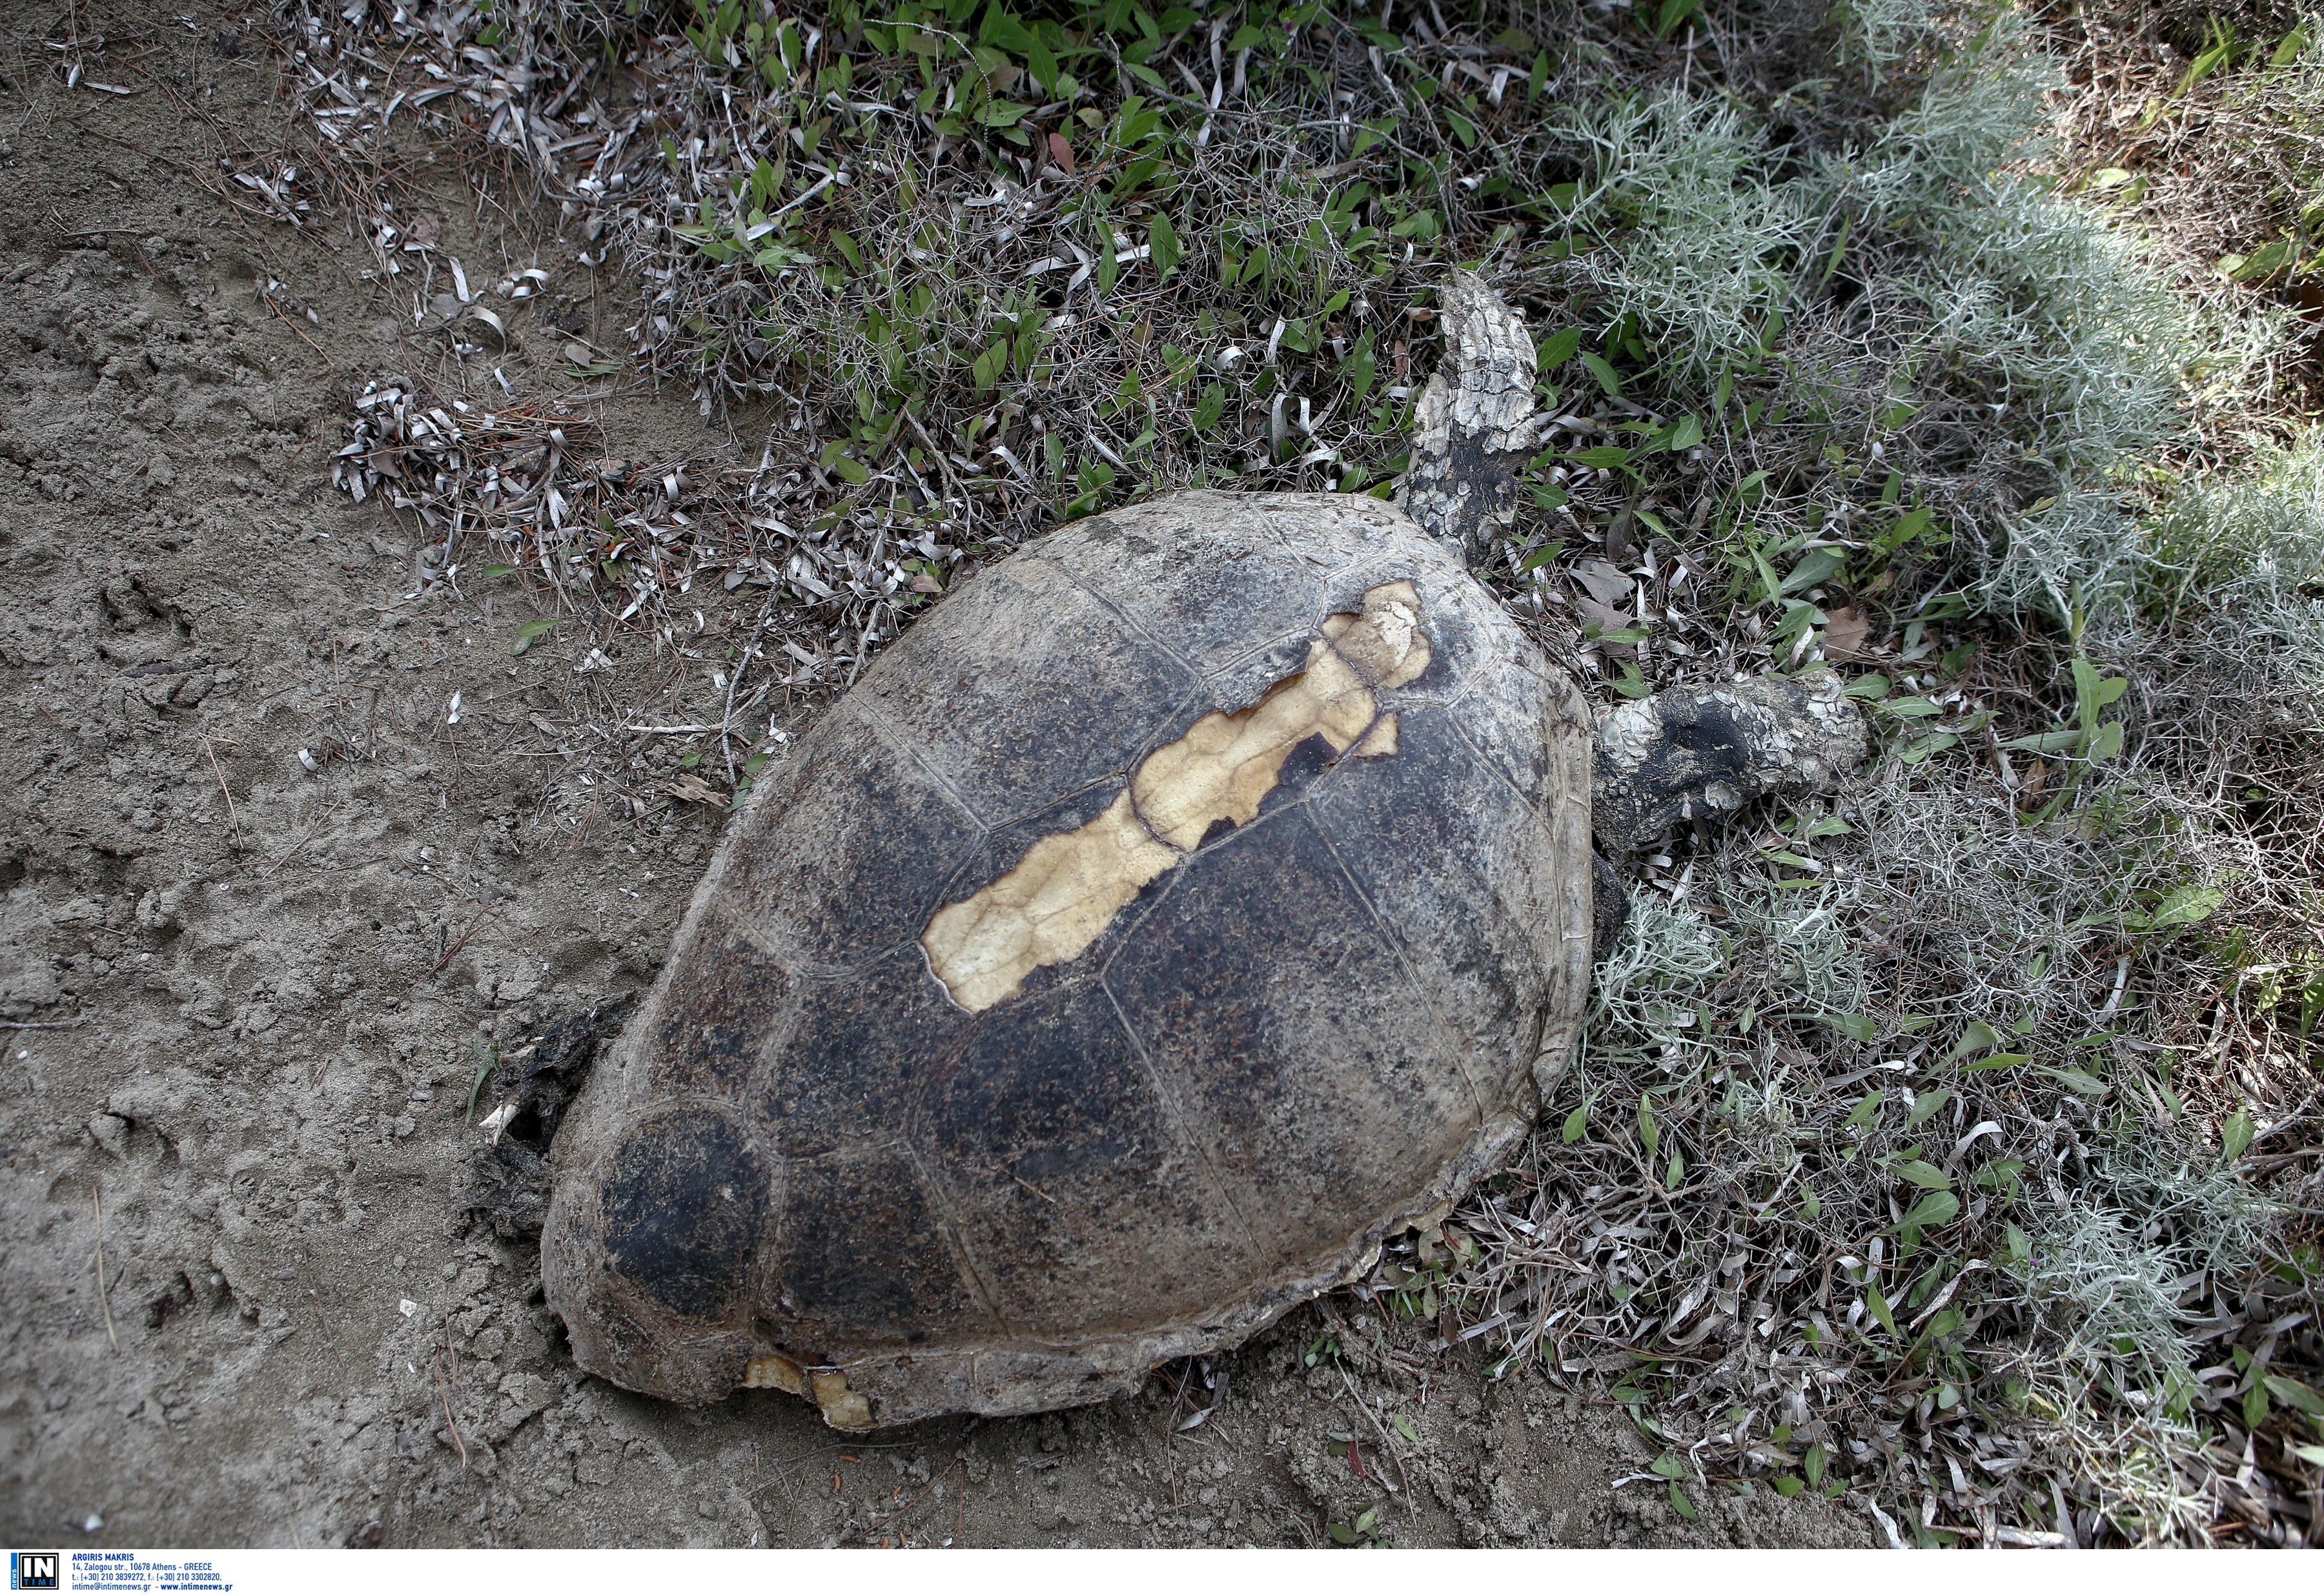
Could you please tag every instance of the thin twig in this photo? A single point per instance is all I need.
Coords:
(916, 1500)
(726, 721)
(453, 951)
(446, 1391)
(230, 815)
(2288, 1120)
(294, 326)
(104, 1293)
(295, 846)
(1404, 1479)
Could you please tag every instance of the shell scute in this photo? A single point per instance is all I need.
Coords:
(853, 803)
(860, 1258)
(683, 1201)
(1517, 727)
(1259, 964)
(1242, 680)
(860, 1051)
(1029, 689)
(1457, 884)
(1081, 1202)
(1468, 636)
(1199, 586)
(725, 1006)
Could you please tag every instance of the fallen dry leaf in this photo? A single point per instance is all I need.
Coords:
(1605, 618)
(1844, 633)
(1605, 621)
(1604, 582)
(693, 789)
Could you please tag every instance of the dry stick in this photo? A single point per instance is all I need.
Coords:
(295, 846)
(916, 1500)
(2288, 1120)
(230, 819)
(453, 951)
(445, 1390)
(588, 820)
(1410, 1505)
(104, 1295)
(726, 721)
(42, 1024)
(294, 326)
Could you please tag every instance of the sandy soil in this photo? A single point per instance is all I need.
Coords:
(246, 1001)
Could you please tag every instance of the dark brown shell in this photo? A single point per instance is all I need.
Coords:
(806, 1165)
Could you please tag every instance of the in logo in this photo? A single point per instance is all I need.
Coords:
(32, 1570)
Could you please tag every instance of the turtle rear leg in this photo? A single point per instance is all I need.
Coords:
(508, 1177)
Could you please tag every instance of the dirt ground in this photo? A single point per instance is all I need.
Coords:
(245, 1000)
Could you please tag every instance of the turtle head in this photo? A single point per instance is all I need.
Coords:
(1692, 752)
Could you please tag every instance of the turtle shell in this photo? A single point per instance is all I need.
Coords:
(1189, 902)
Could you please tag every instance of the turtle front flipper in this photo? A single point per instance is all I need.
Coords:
(1474, 427)
(1610, 907)
(1691, 752)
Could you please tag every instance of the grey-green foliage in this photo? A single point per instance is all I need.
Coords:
(2036, 303)
(1944, 917)
(2106, 1296)
(2006, 967)
(1984, 918)
(1708, 245)
(1807, 943)
(1646, 995)
(1880, 33)
(2078, 548)
(2108, 1268)
(1643, 993)
(1978, 114)
(2066, 322)
(2244, 552)
(2045, 350)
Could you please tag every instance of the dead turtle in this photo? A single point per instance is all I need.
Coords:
(1197, 898)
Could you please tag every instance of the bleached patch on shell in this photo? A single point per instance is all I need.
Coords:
(1069, 886)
